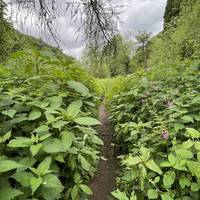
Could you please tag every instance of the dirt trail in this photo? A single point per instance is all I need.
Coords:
(104, 181)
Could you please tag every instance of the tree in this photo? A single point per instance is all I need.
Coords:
(143, 40)
(4, 31)
(172, 10)
(118, 55)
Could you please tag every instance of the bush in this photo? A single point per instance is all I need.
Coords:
(157, 126)
(49, 148)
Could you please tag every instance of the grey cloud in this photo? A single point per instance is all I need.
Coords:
(144, 15)
(138, 15)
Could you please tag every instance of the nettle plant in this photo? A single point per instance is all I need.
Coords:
(158, 130)
(48, 146)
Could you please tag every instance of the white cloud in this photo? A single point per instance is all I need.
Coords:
(143, 15)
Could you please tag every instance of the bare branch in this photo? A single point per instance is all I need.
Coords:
(98, 17)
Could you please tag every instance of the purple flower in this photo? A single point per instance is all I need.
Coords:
(165, 135)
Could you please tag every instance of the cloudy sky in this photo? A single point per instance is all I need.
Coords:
(138, 15)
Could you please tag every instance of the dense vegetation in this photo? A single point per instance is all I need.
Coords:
(49, 149)
(49, 145)
(157, 132)
(156, 114)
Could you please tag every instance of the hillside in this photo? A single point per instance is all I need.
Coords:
(180, 41)
(13, 41)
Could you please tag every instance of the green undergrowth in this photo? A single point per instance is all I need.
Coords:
(157, 130)
(49, 146)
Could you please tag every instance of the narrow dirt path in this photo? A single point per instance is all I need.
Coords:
(104, 181)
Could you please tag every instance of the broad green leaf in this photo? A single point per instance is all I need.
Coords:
(187, 145)
(5, 137)
(8, 193)
(87, 121)
(169, 178)
(59, 124)
(21, 142)
(197, 118)
(194, 168)
(152, 194)
(166, 164)
(97, 140)
(131, 161)
(52, 181)
(74, 192)
(35, 148)
(187, 119)
(43, 129)
(19, 119)
(35, 184)
(193, 133)
(26, 163)
(74, 108)
(77, 177)
(78, 87)
(51, 193)
(7, 165)
(180, 167)
(133, 196)
(44, 137)
(183, 153)
(84, 163)
(44, 166)
(10, 113)
(119, 195)
(153, 166)
(145, 153)
(53, 145)
(183, 182)
(55, 102)
(34, 114)
(60, 157)
(172, 159)
(178, 126)
(166, 196)
(197, 145)
(67, 139)
(198, 156)
(23, 178)
(85, 189)
(195, 187)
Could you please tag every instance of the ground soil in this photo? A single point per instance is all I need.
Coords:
(104, 181)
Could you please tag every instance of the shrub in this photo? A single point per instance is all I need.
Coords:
(49, 148)
(157, 126)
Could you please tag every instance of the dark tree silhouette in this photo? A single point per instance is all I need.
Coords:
(143, 40)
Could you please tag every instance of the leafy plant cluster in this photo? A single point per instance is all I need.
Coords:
(48, 144)
(179, 42)
(157, 125)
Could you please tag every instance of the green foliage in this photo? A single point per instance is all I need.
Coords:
(172, 10)
(157, 129)
(113, 60)
(179, 42)
(118, 56)
(110, 86)
(143, 40)
(5, 31)
(49, 145)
